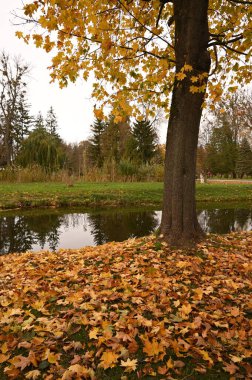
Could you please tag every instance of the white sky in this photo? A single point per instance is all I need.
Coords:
(73, 105)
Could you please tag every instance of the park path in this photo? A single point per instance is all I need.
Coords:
(231, 181)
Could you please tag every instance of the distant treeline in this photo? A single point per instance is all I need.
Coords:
(31, 148)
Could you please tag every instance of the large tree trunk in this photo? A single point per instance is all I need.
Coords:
(179, 224)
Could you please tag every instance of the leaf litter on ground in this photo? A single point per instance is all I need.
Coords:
(130, 310)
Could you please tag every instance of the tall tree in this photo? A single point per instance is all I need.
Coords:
(15, 120)
(51, 122)
(244, 159)
(114, 140)
(97, 130)
(145, 49)
(222, 151)
(144, 141)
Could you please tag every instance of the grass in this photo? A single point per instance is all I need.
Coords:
(26, 195)
(127, 311)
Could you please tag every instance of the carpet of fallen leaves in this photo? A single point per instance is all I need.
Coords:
(131, 310)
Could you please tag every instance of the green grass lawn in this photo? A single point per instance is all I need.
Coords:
(24, 195)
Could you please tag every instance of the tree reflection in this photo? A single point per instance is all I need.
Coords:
(15, 236)
(223, 221)
(121, 226)
(36, 229)
(20, 233)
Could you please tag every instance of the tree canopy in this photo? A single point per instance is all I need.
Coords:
(129, 45)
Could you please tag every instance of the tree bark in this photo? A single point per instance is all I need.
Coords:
(179, 225)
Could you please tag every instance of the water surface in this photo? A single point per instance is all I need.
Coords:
(53, 229)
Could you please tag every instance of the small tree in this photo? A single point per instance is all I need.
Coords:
(144, 141)
(39, 122)
(51, 122)
(95, 148)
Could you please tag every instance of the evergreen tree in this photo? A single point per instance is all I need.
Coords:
(97, 130)
(244, 159)
(144, 144)
(39, 122)
(51, 122)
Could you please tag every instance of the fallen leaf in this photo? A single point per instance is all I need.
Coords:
(108, 359)
(130, 365)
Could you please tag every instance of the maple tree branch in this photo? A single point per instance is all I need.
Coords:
(163, 2)
(143, 25)
(232, 49)
(216, 62)
(218, 42)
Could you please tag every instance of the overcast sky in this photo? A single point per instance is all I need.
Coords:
(73, 105)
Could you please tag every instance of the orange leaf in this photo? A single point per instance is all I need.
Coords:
(108, 359)
(3, 358)
(152, 348)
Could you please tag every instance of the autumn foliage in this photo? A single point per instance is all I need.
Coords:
(128, 310)
(130, 45)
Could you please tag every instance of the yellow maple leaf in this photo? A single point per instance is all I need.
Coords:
(198, 294)
(153, 347)
(19, 34)
(194, 79)
(51, 356)
(187, 67)
(170, 363)
(205, 356)
(33, 375)
(182, 264)
(194, 89)
(4, 348)
(98, 113)
(186, 308)
(75, 369)
(93, 333)
(180, 76)
(108, 359)
(130, 365)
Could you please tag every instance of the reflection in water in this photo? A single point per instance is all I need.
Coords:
(121, 226)
(50, 229)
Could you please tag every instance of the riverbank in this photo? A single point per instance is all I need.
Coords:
(28, 195)
(131, 310)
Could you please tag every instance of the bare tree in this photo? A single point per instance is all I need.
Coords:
(14, 110)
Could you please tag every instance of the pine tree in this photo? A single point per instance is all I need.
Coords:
(244, 159)
(39, 122)
(51, 122)
(97, 130)
(144, 141)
